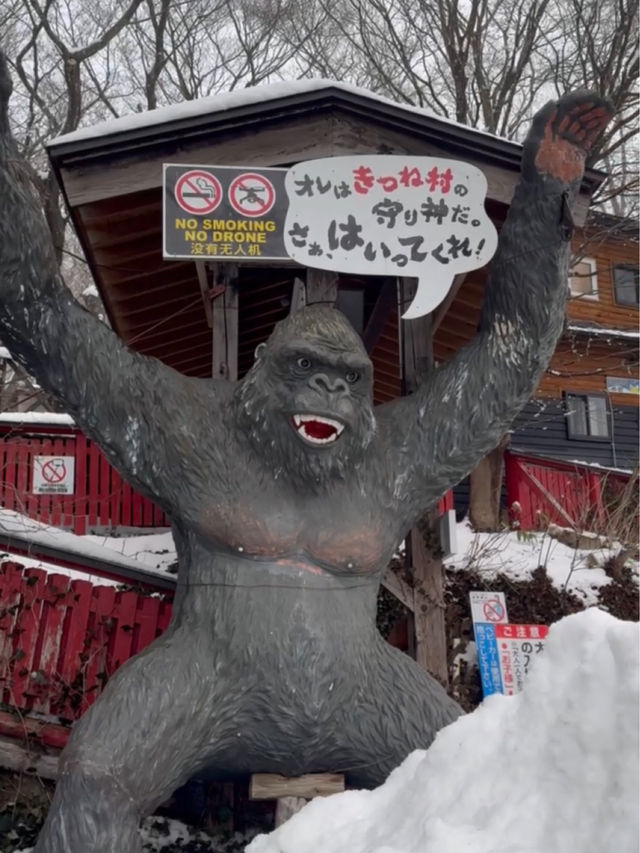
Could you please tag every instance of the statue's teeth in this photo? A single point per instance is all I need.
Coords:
(301, 421)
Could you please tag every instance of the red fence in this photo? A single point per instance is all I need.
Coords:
(101, 499)
(540, 491)
(62, 639)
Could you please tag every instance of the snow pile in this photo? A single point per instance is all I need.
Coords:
(551, 770)
(518, 555)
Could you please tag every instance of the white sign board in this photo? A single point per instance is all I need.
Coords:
(518, 645)
(488, 607)
(395, 215)
(53, 475)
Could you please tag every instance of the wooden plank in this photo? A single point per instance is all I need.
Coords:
(71, 666)
(124, 612)
(148, 611)
(377, 322)
(9, 474)
(28, 626)
(298, 296)
(164, 617)
(94, 468)
(30, 730)
(546, 494)
(80, 501)
(105, 491)
(23, 473)
(396, 586)
(225, 323)
(441, 310)
(99, 630)
(429, 607)
(31, 500)
(20, 759)
(204, 278)
(52, 616)
(270, 786)
(10, 595)
(136, 508)
(48, 508)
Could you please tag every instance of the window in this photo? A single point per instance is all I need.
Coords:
(587, 416)
(583, 280)
(625, 283)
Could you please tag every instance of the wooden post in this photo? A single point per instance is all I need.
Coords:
(485, 489)
(225, 322)
(430, 636)
(292, 794)
(322, 286)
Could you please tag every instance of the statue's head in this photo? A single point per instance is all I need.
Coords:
(306, 404)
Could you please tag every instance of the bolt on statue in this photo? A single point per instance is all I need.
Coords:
(288, 493)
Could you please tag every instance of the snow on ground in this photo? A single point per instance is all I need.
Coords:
(518, 555)
(550, 770)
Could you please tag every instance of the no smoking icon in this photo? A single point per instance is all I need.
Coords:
(198, 192)
(54, 471)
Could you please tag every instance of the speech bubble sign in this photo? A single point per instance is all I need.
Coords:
(422, 217)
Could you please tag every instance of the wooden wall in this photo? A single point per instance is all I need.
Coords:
(582, 364)
(607, 250)
(541, 429)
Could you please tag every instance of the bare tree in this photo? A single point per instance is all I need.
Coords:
(488, 63)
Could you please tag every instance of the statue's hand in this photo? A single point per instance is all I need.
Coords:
(562, 134)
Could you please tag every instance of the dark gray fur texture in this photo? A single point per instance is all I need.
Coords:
(272, 661)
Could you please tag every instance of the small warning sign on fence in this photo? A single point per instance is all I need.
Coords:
(53, 475)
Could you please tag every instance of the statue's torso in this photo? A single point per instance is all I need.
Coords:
(350, 525)
(334, 534)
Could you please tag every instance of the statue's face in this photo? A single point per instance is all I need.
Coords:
(306, 403)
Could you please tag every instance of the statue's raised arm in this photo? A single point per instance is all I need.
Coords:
(462, 408)
(110, 390)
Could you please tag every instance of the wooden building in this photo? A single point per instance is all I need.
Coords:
(586, 406)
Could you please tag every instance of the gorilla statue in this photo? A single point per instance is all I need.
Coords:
(288, 494)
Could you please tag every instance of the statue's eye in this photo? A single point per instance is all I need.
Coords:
(303, 363)
(352, 376)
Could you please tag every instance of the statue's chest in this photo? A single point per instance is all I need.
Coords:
(337, 533)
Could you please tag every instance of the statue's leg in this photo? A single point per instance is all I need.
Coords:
(140, 741)
(397, 708)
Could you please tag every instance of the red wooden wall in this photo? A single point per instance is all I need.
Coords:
(540, 491)
(102, 499)
(62, 639)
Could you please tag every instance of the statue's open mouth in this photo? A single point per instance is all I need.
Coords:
(316, 429)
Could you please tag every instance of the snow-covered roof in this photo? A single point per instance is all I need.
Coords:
(603, 332)
(242, 98)
(18, 529)
(48, 418)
